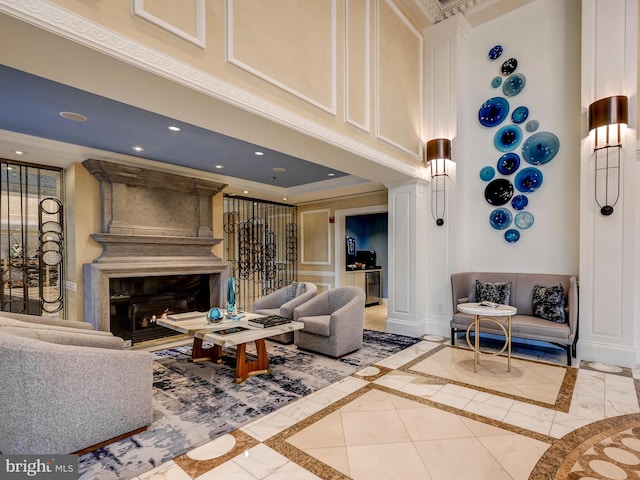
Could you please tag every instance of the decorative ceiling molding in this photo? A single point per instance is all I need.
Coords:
(69, 25)
(441, 9)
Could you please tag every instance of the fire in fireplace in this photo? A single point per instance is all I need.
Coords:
(136, 303)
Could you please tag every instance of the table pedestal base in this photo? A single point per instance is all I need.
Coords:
(476, 344)
(244, 368)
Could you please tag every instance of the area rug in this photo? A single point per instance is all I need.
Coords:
(194, 403)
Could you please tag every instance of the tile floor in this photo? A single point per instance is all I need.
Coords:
(421, 413)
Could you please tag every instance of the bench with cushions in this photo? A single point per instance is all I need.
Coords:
(547, 305)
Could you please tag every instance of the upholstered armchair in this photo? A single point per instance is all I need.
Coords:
(282, 302)
(333, 322)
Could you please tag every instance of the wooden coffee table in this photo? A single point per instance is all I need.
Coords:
(228, 334)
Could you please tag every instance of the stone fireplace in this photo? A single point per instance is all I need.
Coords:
(157, 236)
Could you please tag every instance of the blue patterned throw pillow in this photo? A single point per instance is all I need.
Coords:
(549, 302)
(493, 292)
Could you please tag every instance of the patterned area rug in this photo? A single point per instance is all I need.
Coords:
(196, 402)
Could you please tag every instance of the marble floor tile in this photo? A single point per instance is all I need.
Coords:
(423, 413)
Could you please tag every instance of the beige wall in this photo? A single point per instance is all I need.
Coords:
(82, 213)
(326, 229)
(295, 60)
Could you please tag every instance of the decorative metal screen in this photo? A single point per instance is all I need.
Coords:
(261, 245)
(31, 239)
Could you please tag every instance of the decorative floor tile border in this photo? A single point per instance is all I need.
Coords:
(572, 456)
(195, 468)
(280, 444)
(563, 399)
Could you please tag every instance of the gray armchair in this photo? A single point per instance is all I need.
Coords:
(333, 322)
(66, 388)
(282, 302)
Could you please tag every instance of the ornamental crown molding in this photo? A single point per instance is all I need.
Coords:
(83, 31)
(440, 10)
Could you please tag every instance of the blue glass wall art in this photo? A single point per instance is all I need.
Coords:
(523, 220)
(540, 148)
(520, 114)
(495, 52)
(532, 126)
(498, 192)
(523, 149)
(508, 163)
(500, 218)
(487, 173)
(507, 138)
(519, 202)
(509, 66)
(493, 111)
(512, 235)
(514, 84)
(528, 180)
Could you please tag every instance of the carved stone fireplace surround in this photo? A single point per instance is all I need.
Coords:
(152, 224)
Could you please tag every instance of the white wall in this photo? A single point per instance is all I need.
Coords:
(544, 37)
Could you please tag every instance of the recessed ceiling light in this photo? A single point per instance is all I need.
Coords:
(258, 153)
(137, 148)
(74, 117)
(219, 166)
(284, 198)
(19, 152)
(331, 174)
(245, 192)
(173, 128)
(279, 170)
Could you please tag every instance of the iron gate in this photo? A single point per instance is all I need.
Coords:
(261, 246)
(31, 239)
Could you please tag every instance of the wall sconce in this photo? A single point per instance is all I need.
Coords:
(606, 117)
(437, 153)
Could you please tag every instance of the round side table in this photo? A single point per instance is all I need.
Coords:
(481, 312)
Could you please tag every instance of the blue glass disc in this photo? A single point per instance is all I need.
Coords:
(514, 84)
(528, 180)
(496, 82)
(498, 192)
(532, 125)
(495, 52)
(500, 218)
(520, 114)
(512, 235)
(507, 138)
(523, 220)
(519, 202)
(487, 173)
(508, 163)
(493, 111)
(509, 66)
(540, 148)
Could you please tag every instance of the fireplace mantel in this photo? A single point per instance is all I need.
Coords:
(139, 201)
(152, 224)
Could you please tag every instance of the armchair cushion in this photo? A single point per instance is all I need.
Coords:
(319, 325)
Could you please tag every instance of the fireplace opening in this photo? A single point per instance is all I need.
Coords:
(137, 302)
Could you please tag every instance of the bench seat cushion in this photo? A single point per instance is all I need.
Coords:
(521, 326)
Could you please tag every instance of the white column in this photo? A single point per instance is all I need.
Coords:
(609, 321)
(445, 46)
(409, 216)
